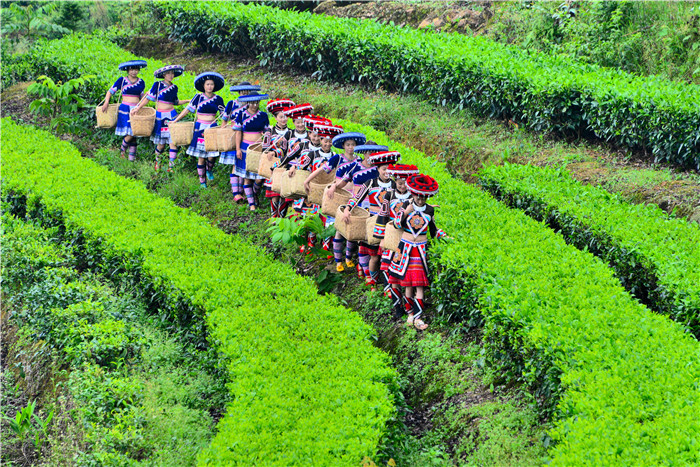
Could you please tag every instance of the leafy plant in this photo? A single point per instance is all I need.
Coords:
(547, 93)
(269, 325)
(23, 427)
(58, 100)
(656, 257)
(31, 21)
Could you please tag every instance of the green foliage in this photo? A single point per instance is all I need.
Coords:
(556, 318)
(656, 257)
(22, 426)
(308, 384)
(652, 38)
(547, 93)
(58, 100)
(152, 402)
(31, 21)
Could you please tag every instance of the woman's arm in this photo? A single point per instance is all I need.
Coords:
(184, 112)
(239, 139)
(107, 98)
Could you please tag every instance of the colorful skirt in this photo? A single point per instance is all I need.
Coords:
(411, 267)
(240, 163)
(124, 119)
(161, 133)
(369, 250)
(196, 147)
(228, 158)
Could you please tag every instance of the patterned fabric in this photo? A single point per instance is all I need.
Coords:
(124, 119)
(205, 105)
(127, 88)
(161, 133)
(240, 163)
(162, 92)
(258, 122)
(196, 147)
(411, 267)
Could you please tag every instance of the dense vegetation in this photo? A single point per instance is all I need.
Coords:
(111, 385)
(656, 257)
(546, 93)
(565, 341)
(307, 383)
(648, 38)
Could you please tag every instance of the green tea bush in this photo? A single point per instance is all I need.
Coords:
(553, 317)
(545, 93)
(556, 318)
(307, 384)
(656, 257)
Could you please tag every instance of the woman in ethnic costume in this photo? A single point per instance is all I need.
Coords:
(344, 165)
(233, 107)
(131, 88)
(398, 199)
(164, 94)
(372, 187)
(250, 125)
(417, 220)
(207, 105)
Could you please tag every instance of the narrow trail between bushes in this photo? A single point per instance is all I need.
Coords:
(463, 141)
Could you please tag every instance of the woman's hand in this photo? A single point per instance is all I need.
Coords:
(307, 186)
(105, 106)
(345, 217)
(292, 171)
(134, 110)
(239, 154)
(331, 191)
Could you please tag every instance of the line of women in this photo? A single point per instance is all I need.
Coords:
(395, 193)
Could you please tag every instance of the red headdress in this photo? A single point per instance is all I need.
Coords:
(420, 184)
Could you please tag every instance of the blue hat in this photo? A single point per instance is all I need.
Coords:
(253, 96)
(370, 148)
(244, 86)
(339, 140)
(202, 77)
(177, 69)
(133, 64)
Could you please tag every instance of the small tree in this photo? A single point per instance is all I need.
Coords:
(72, 15)
(58, 100)
(31, 22)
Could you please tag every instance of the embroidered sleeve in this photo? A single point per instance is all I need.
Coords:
(227, 113)
(153, 93)
(358, 197)
(365, 175)
(192, 106)
(117, 85)
(238, 121)
(331, 163)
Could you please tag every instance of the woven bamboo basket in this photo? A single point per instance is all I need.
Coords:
(356, 229)
(371, 239)
(392, 238)
(252, 157)
(317, 185)
(277, 175)
(329, 206)
(265, 167)
(143, 121)
(226, 139)
(293, 187)
(210, 139)
(181, 133)
(107, 119)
